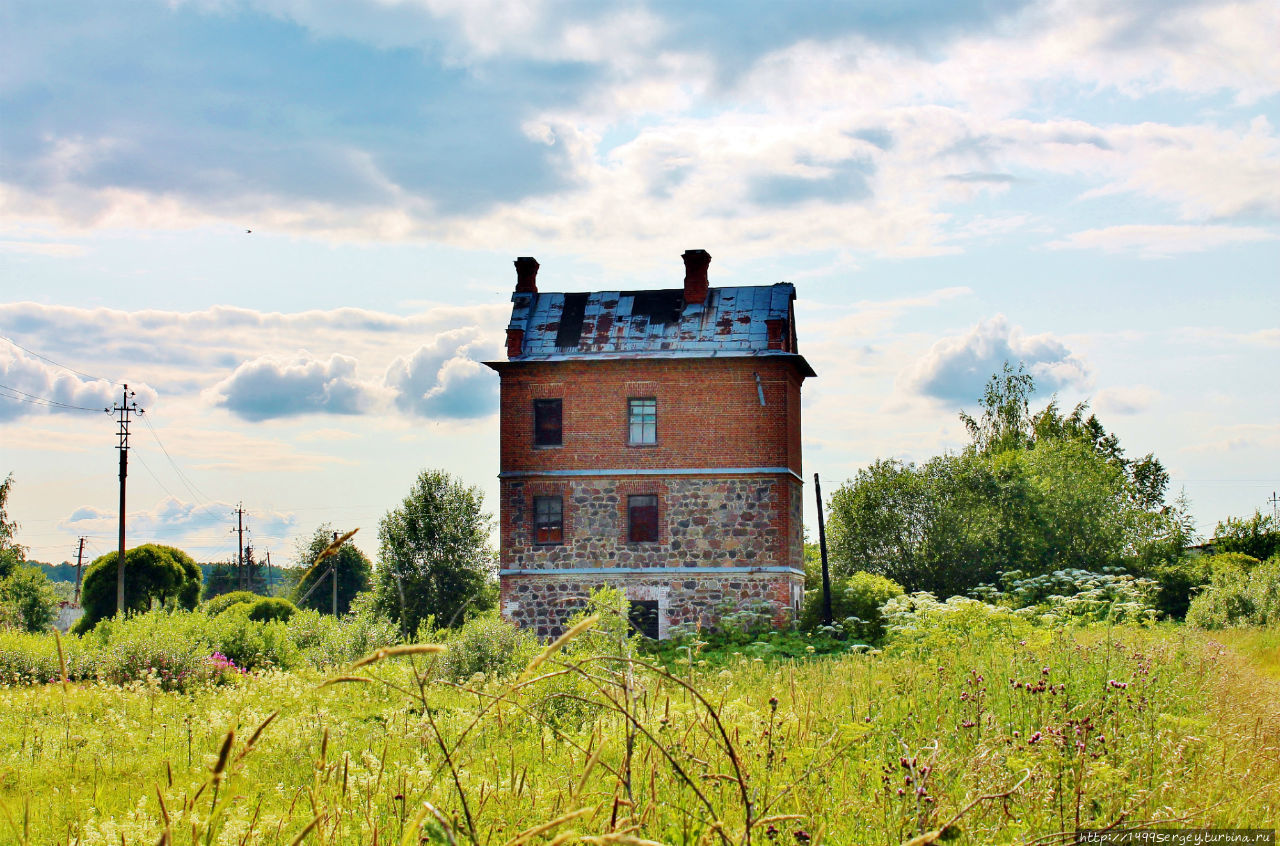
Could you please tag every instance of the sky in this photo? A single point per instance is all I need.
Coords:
(288, 226)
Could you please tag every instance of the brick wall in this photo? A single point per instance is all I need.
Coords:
(709, 413)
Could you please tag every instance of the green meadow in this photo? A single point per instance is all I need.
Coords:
(973, 726)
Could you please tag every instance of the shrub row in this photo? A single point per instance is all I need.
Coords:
(177, 648)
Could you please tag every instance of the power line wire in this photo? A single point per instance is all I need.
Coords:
(56, 364)
(190, 485)
(152, 474)
(44, 401)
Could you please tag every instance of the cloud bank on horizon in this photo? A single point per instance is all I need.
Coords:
(1090, 188)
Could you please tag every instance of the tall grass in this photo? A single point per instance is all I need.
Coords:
(986, 728)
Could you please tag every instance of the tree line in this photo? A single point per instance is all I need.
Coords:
(435, 565)
(1032, 493)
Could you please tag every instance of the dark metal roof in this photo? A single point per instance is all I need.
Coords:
(659, 324)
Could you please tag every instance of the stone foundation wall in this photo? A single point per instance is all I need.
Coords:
(543, 602)
(749, 521)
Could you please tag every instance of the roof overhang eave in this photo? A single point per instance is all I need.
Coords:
(801, 364)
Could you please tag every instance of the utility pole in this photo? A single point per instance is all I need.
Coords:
(126, 407)
(822, 546)
(1275, 501)
(239, 530)
(334, 571)
(79, 564)
(269, 591)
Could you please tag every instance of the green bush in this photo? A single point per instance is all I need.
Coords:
(155, 575)
(30, 598)
(327, 641)
(920, 623)
(224, 601)
(488, 645)
(1239, 598)
(179, 649)
(172, 648)
(1178, 582)
(1231, 562)
(855, 605)
(272, 608)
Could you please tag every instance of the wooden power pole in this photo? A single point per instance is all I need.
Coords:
(822, 546)
(123, 410)
(79, 565)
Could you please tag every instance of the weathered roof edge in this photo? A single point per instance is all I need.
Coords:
(800, 362)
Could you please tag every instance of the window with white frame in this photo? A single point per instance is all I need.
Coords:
(642, 420)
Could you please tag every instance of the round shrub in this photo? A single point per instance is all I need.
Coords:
(1231, 562)
(855, 605)
(1239, 598)
(272, 608)
(154, 574)
(224, 601)
(487, 644)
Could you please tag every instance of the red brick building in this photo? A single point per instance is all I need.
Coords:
(651, 442)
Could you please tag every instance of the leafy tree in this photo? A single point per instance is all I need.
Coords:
(220, 579)
(1006, 418)
(355, 574)
(154, 573)
(32, 598)
(880, 519)
(1032, 494)
(1257, 536)
(435, 560)
(11, 554)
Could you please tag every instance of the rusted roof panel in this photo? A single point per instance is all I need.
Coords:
(624, 323)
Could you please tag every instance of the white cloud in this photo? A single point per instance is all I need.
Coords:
(958, 367)
(1162, 241)
(187, 525)
(1238, 438)
(29, 385)
(1132, 399)
(444, 379)
(270, 387)
(43, 248)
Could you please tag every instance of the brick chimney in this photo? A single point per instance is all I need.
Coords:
(526, 275)
(695, 275)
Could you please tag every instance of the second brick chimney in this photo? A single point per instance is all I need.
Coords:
(526, 275)
(695, 275)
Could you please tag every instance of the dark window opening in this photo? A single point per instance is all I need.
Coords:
(547, 414)
(642, 519)
(548, 519)
(642, 420)
(571, 317)
(644, 617)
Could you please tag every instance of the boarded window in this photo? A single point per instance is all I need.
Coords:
(644, 617)
(548, 519)
(547, 415)
(642, 519)
(642, 420)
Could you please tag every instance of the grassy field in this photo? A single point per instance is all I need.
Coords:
(1013, 736)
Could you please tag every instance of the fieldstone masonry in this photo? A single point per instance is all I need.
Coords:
(748, 521)
(543, 602)
(737, 537)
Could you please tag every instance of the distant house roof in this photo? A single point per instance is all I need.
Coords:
(756, 320)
